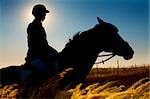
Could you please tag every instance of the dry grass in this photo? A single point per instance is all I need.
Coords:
(126, 76)
(139, 90)
(106, 72)
(134, 85)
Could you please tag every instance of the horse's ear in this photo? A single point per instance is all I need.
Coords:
(100, 21)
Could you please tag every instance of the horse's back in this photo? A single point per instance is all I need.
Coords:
(10, 75)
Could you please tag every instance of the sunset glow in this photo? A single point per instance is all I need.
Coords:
(66, 18)
(26, 14)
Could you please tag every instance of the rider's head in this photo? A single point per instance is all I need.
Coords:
(39, 11)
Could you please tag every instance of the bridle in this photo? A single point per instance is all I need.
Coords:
(111, 56)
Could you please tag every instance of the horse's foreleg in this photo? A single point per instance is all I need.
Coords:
(74, 77)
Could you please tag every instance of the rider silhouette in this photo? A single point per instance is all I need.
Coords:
(39, 52)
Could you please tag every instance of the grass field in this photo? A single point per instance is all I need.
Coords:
(102, 83)
(126, 76)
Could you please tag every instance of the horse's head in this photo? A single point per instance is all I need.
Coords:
(111, 40)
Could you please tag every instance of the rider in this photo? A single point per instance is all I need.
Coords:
(40, 54)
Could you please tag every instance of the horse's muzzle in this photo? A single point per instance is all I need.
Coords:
(127, 58)
(129, 55)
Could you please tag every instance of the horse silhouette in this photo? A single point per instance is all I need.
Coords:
(80, 53)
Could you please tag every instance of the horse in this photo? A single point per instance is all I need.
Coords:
(81, 52)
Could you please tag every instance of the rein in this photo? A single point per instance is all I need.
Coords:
(111, 56)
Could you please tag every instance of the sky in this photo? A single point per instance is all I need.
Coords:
(66, 18)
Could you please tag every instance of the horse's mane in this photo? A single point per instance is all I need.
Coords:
(74, 38)
(76, 35)
(79, 36)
